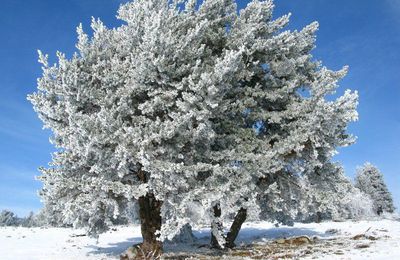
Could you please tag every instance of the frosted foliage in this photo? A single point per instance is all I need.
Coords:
(357, 205)
(370, 181)
(336, 197)
(8, 218)
(326, 193)
(165, 94)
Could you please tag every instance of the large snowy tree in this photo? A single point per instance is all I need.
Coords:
(370, 181)
(195, 110)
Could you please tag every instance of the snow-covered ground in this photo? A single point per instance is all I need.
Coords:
(330, 240)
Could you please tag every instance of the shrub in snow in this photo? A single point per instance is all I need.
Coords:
(391, 216)
(185, 236)
(370, 181)
(41, 219)
(49, 216)
(356, 205)
(188, 103)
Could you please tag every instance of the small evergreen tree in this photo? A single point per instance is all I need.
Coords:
(328, 195)
(333, 196)
(8, 218)
(29, 221)
(370, 181)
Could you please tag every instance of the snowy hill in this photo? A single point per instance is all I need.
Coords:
(328, 240)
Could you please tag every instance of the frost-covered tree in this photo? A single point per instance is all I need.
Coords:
(28, 221)
(327, 195)
(8, 218)
(331, 195)
(192, 109)
(370, 181)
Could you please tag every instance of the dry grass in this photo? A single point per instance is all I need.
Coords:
(292, 248)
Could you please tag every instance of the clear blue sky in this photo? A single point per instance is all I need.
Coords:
(362, 34)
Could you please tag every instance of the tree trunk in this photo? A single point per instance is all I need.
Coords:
(235, 228)
(150, 218)
(216, 225)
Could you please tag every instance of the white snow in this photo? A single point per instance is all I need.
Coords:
(62, 243)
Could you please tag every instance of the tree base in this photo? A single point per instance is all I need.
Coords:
(143, 251)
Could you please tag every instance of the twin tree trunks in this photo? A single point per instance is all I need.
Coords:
(150, 218)
(233, 231)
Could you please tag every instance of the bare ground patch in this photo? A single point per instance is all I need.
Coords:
(287, 248)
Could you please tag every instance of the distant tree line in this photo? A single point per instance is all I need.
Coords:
(9, 218)
(48, 218)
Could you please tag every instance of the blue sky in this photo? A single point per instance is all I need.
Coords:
(362, 34)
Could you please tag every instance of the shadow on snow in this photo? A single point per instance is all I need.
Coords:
(114, 249)
(247, 235)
